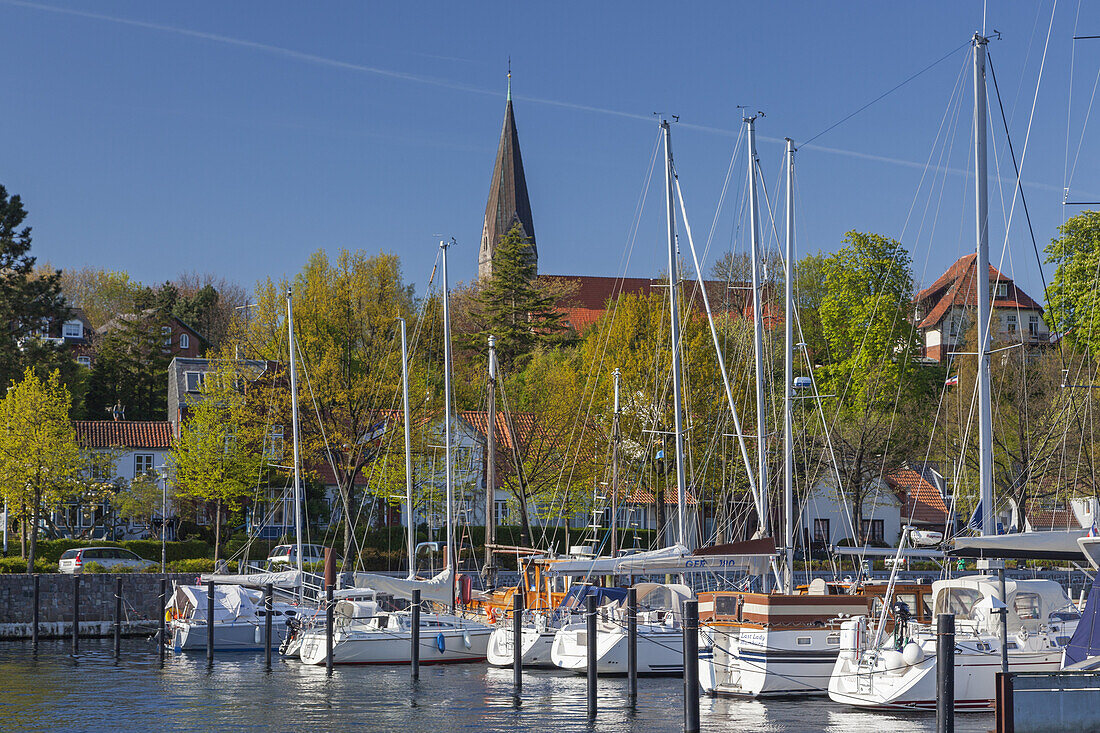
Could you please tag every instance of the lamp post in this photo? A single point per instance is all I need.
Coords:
(162, 473)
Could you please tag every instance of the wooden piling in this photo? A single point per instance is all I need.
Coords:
(415, 650)
(632, 644)
(118, 618)
(328, 629)
(268, 591)
(34, 614)
(517, 641)
(945, 673)
(691, 666)
(210, 623)
(590, 620)
(161, 641)
(76, 613)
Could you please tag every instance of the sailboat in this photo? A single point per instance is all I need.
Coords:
(239, 612)
(1012, 625)
(364, 635)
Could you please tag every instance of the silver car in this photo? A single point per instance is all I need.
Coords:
(111, 558)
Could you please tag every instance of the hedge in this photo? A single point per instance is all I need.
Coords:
(19, 565)
(148, 549)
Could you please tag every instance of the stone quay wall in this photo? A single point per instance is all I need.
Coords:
(140, 603)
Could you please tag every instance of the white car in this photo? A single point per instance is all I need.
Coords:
(286, 555)
(111, 558)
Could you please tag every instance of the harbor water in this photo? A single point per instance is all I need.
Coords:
(55, 692)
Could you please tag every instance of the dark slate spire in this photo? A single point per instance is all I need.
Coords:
(508, 202)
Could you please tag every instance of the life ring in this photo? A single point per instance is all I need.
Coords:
(492, 615)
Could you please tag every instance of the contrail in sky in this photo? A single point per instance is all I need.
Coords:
(457, 86)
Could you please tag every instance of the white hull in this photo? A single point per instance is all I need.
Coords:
(536, 647)
(457, 641)
(660, 649)
(866, 681)
(755, 662)
(239, 636)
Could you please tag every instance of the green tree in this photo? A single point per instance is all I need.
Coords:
(131, 368)
(142, 499)
(40, 461)
(29, 302)
(219, 456)
(101, 294)
(881, 396)
(1074, 307)
(512, 307)
(346, 331)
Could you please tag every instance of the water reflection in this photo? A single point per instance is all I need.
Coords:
(55, 692)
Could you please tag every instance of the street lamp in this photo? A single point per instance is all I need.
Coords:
(162, 473)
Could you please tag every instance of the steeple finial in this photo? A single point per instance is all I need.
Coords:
(509, 78)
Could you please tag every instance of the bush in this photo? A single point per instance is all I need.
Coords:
(19, 565)
(93, 567)
(148, 549)
(193, 565)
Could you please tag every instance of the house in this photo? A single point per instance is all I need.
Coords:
(179, 339)
(75, 334)
(186, 376)
(943, 310)
(132, 448)
(911, 496)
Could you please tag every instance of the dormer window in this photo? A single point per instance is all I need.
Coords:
(72, 330)
(185, 341)
(1002, 290)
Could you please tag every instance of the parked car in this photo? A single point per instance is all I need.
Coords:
(111, 558)
(286, 556)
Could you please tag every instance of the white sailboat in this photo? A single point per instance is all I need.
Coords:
(1030, 621)
(364, 635)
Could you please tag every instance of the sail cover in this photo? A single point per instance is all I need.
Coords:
(1029, 545)
(282, 579)
(1086, 638)
(231, 602)
(674, 559)
(438, 588)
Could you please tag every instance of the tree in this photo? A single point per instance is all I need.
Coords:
(29, 302)
(211, 304)
(40, 461)
(101, 294)
(131, 368)
(512, 307)
(345, 324)
(142, 500)
(881, 395)
(1074, 298)
(219, 457)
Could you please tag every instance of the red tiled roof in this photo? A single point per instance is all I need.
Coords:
(592, 293)
(524, 423)
(921, 501)
(124, 433)
(1057, 519)
(959, 286)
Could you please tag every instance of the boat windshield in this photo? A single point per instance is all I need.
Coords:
(959, 601)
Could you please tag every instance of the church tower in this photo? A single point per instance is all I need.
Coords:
(508, 202)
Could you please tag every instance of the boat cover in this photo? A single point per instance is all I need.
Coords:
(1054, 545)
(1085, 641)
(438, 588)
(231, 602)
(281, 579)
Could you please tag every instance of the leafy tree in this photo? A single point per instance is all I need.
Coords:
(29, 302)
(142, 499)
(511, 306)
(1074, 298)
(40, 461)
(101, 294)
(881, 396)
(219, 456)
(344, 317)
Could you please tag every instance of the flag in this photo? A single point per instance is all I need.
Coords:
(1094, 531)
(975, 521)
(952, 381)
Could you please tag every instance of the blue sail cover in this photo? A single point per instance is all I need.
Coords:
(1086, 639)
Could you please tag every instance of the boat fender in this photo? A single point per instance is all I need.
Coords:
(912, 654)
(258, 634)
(1023, 634)
(441, 642)
(492, 615)
(893, 662)
(168, 616)
(466, 639)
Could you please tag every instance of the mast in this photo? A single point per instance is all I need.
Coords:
(674, 326)
(615, 470)
(758, 336)
(981, 265)
(452, 562)
(788, 379)
(491, 464)
(409, 519)
(294, 429)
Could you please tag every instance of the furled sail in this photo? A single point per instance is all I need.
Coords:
(437, 588)
(281, 579)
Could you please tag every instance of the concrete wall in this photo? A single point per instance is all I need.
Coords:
(140, 603)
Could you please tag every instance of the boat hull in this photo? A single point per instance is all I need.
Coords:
(744, 662)
(536, 647)
(660, 649)
(382, 646)
(234, 636)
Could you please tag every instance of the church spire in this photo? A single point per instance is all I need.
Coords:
(508, 203)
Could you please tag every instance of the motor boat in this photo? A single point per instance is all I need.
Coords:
(239, 618)
(900, 672)
(659, 642)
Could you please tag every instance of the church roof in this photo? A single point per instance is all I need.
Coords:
(508, 202)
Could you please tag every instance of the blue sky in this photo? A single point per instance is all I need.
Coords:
(239, 137)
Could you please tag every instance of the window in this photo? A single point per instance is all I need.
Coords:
(1026, 606)
(72, 330)
(193, 381)
(873, 530)
(143, 463)
(954, 330)
(1011, 322)
(200, 515)
(84, 361)
(959, 601)
(821, 530)
(1033, 326)
(166, 332)
(500, 512)
(185, 341)
(1002, 290)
